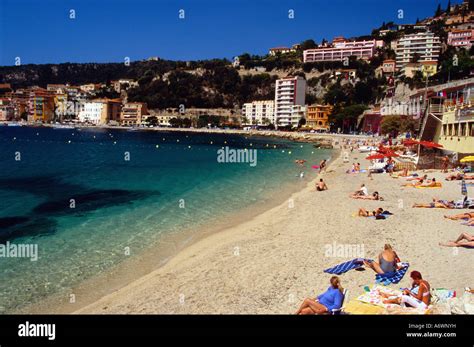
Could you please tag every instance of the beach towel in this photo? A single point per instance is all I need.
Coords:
(438, 185)
(344, 267)
(441, 295)
(392, 277)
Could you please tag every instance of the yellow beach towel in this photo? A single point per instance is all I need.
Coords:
(438, 185)
(357, 307)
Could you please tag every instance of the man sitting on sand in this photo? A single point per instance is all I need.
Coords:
(388, 260)
(436, 204)
(326, 302)
(418, 296)
(321, 185)
(361, 192)
(458, 242)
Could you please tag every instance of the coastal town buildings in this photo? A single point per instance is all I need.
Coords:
(7, 111)
(133, 113)
(455, 129)
(90, 87)
(289, 91)
(317, 117)
(124, 84)
(429, 68)
(297, 115)
(100, 111)
(388, 67)
(410, 69)
(421, 47)
(40, 105)
(259, 112)
(461, 38)
(343, 49)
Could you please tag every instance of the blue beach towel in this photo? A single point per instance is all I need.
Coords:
(344, 267)
(392, 277)
(385, 279)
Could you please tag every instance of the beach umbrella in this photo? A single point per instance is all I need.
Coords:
(429, 144)
(467, 159)
(375, 156)
(391, 153)
(410, 142)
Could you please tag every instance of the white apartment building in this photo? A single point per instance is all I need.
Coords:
(92, 112)
(426, 45)
(257, 111)
(342, 49)
(298, 112)
(289, 92)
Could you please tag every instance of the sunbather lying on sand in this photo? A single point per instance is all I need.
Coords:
(454, 176)
(429, 184)
(414, 183)
(388, 260)
(436, 204)
(374, 196)
(378, 213)
(464, 216)
(459, 241)
(326, 302)
(425, 177)
(418, 296)
(458, 177)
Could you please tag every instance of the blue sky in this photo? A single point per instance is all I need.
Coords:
(40, 31)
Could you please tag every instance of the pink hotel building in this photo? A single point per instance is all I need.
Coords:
(342, 49)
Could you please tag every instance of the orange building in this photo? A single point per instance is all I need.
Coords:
(133, 113)
(317, 117)
(41, 106)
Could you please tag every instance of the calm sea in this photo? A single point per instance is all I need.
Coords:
(90, 198)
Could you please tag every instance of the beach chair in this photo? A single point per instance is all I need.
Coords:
(337, 311)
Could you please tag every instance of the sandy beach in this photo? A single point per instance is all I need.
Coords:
(270, 263)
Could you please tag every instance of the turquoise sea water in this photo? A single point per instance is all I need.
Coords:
(130, 189)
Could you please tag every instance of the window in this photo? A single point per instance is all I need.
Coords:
(445, 129)
(463, 129)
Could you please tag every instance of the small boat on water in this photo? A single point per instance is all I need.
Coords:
(14, 125)
(63, 126)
